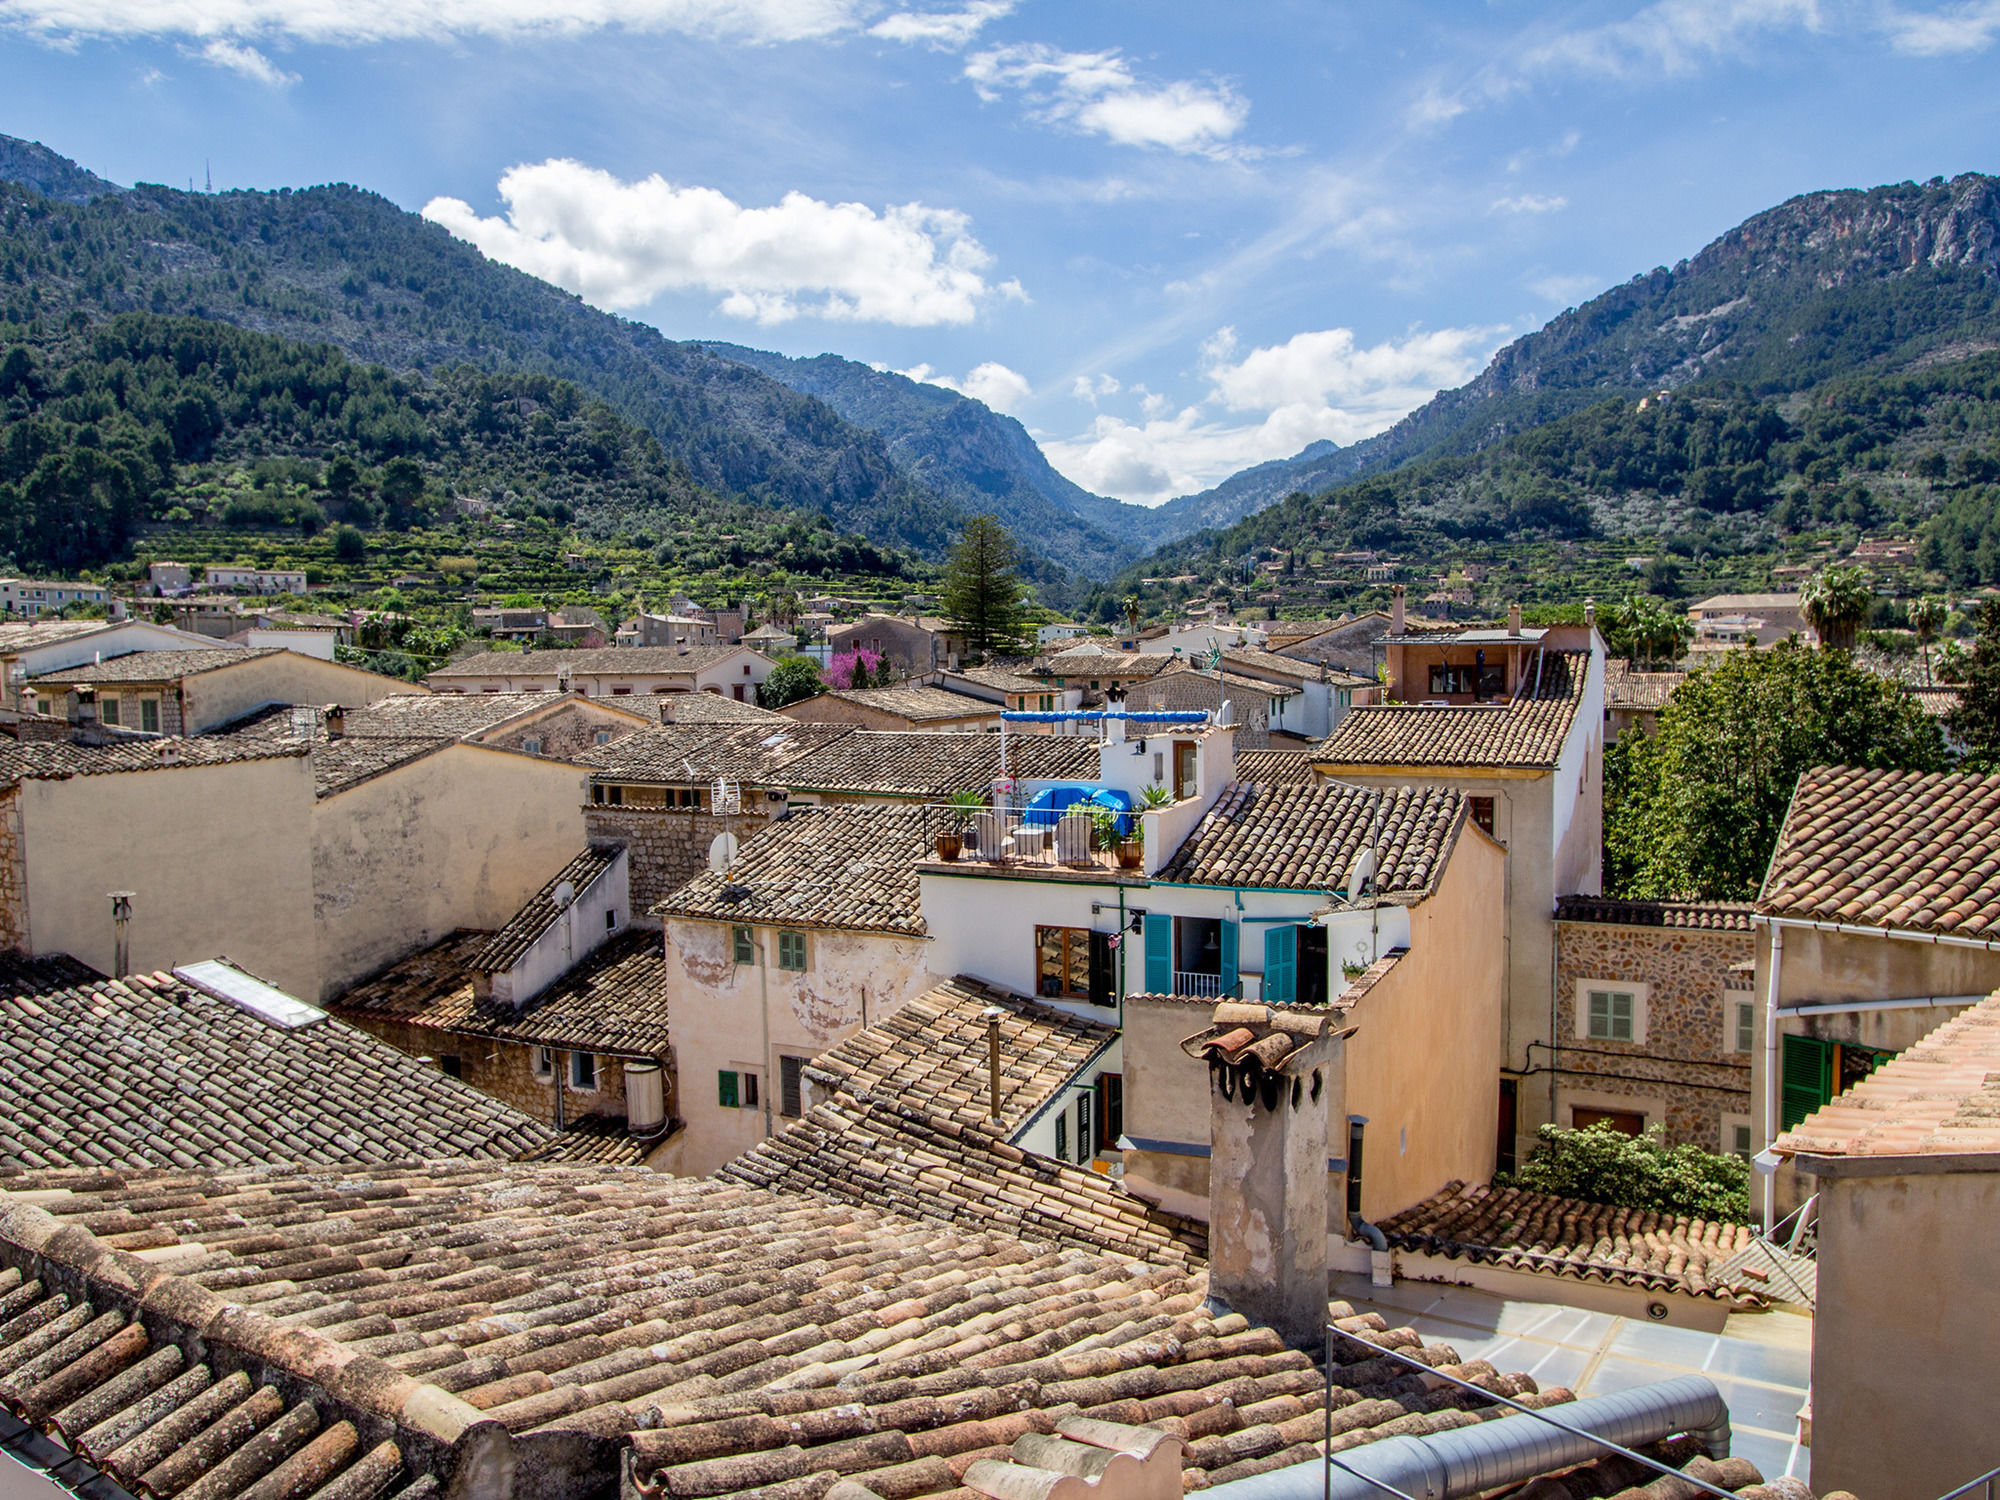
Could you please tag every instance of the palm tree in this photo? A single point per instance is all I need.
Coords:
(1927, 619)
(1836, 603)
(1653, 633)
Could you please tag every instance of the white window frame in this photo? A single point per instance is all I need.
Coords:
(1734, 1004)
(1731, 1123)
(1641, 994)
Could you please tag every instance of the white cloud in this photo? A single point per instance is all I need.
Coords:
(1671, 36)
(1530, 203)
(946, 30)
(248, 61)
(1314, 386)
(992, 382)
(620, 244)
(1941, 33)
(1097, 92)
(1092, 388)
(400, 20)
(1566, 291)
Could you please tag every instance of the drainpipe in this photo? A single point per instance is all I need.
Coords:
(764, 1066)
(1770, 1179)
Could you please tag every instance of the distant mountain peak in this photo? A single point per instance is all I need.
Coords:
(34, 165)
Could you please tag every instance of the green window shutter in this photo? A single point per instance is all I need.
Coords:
(1230, 977)
(1281, 947)
(1805, 1079)
(1103, 970)
(746, 948)
(726, 1089)
(1159, 953)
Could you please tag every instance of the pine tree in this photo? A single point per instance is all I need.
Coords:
(982, 597)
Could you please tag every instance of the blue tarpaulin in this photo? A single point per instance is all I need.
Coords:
(1093, 715)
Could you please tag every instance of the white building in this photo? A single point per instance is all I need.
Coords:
(38, 596)
(257, 580)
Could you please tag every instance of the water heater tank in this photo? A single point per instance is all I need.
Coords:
(645, 1097)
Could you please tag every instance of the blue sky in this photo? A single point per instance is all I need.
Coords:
(1174, 239)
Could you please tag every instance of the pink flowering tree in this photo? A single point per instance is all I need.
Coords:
(852, 669)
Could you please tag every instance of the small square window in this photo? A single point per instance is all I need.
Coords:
(452, 1065)
(744, 944)
(532, 746)
(583, 1070)
(603, 736)
(1610, 1016)
(545, 1062)
(611, 921)
(792, 951)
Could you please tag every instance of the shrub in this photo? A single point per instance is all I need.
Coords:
(1601, 1164)
(349, 545)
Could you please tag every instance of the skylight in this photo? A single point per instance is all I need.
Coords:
(267, 1002)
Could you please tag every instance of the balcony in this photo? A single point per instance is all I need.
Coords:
(1012, 838)
(1201, 986)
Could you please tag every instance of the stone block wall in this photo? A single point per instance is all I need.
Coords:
(668, 847)
(13, 874)
(1682, 1063)
(565, 734)
(506, 1070)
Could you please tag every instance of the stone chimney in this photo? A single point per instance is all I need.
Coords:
(1398, 601)
(1513, 619)
(336, 722)
(1590, 614)
(1270, 1071)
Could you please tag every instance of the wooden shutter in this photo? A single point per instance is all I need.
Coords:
(1103, 970)
(1230, 976)
(725, 1089)
(1805, 1078)
(791, 1074)
(1281, 949)
(1159, 953)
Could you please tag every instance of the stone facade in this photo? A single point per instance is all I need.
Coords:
(563, 734)
(506, 1070)
(668, 847)
(1683, 1071)
(13, 874)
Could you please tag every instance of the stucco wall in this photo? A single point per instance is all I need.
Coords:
(457, 839)
(1684, 1073)
(1907, 1321)
(720, 1010)
(215, 698)
(598, 912)
(218, 858)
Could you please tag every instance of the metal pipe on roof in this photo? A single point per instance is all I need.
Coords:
(1468, 1461)
(1914, 1002)
(1855, 929)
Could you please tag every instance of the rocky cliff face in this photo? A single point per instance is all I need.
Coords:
(35, 165)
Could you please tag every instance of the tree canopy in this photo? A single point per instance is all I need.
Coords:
(1601, 1164)
(1694, 810)
(1975, 723)
(982, 597)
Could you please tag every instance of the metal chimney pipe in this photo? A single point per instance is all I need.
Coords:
(121, 928)
(993, 1013)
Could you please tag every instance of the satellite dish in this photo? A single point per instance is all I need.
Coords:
(1360, 873)
(722, 852)
(564, 894)
(1228, 714)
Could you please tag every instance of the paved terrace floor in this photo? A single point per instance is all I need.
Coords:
(1761, 1362)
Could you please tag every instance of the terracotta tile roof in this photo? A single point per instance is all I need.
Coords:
(1277, 1040)
(1938, 702)
(1275, 767)
(1704, 916)
(598, 1140)
(614, 1001)
(911, 763)
(883, 1153)
(1568, 1237)
(342, 764)
(1526, 732)
(1002, 680)
(1306, 837)
(918, 703)
(1938, 1098)
(601, 661)
(1096, 661)
(460, 715)
(54, 760)
(692, 754)
(540, 911)
(1255, 661)
(931, 1055)
(20, 636)
(712, 708)
(718, 1338)
(154, 666)
(1901, 849)
(166, 1074)
(1182, 686)
(852, 868)
(1638, 691)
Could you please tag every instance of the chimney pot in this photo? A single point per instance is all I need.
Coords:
(1589, 613)
(1513, 619)
(1398, 597)
(336, 721)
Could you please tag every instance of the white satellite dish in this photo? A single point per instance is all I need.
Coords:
(722, 852)
(564, 894)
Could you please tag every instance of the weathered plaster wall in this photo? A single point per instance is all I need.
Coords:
(215, 698)
(218, 859)
(457, 839)
(1906, 1319)
(720, 1010)
(1683, 1074)
(668, 847)
(13, 876)
(566, 732)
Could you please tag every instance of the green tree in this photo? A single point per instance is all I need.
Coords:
(1975, 723)
(1836, 602)
(349, 545)
(1927, 617)
(981, 596)
(1646, 631)
(1694, 810)
(792, 678)
(1600, 1164)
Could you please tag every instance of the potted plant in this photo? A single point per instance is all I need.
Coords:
(960, 806)
(1154, 797)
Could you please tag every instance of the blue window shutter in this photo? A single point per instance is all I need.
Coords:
(1159, 953)
(1230, 977)
(1281, 947)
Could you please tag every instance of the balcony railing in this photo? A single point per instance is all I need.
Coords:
(1014, 837)
(1203, 986)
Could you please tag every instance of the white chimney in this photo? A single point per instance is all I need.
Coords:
(1397, 599)
(1272, 1085)
(1513, 619)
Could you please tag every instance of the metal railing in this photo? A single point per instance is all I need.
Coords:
(1376, 1350)
(1203, 986)
(1986, 1481)
(1009, 836)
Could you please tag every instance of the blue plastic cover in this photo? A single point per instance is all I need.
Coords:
(1051, 803)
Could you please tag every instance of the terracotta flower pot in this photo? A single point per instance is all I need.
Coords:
(948, 845)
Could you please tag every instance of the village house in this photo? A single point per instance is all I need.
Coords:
(509, 624)
(1060, 630)
(912, 646)
(164, 578)
(1255, 708)
(561, 1014)
(809, 934)
(255, 580)
(674, 630)
(1197, 640)
(1633, 700)
(217, 616)
(558, 726)
(610, 672)
(909, 705)
(1007, 688)
(900, 767)
(1513, 718)
(1906, 1167)
(40, 596)
(1874, 928)
(1101, 674)
(771, 640)
(34, 648)
(1655, 1019)
(190, 692)
(1747, 620)
(1345, 645)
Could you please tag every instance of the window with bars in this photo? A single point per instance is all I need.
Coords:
(792, 951)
